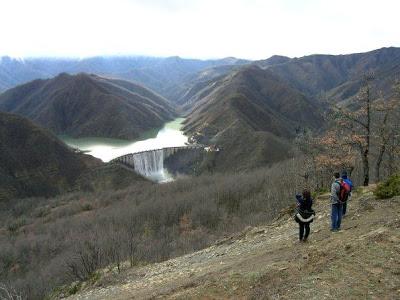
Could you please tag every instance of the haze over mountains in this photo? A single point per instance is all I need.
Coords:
(158, 74)
(254, 109)
(170, 76)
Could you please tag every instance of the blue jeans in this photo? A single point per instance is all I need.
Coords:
(336, 216)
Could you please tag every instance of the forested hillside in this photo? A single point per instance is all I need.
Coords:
(252, 115)
(88, 105)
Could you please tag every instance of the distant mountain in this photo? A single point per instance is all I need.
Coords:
(162, 75)
(35, 163)
(251, 114)
(88, 105)
(338, 77)
(273, 60)
(322, 78)
(191, 88)
(14, 72)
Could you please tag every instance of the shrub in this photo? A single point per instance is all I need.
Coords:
(389, 188)
(15, 225)
(141, 224)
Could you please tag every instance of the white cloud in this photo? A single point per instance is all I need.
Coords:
(207, 28)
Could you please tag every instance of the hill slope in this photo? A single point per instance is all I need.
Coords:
(88, 105)
(252, 113)
(35, 163)
(317, 74)
(267, 262)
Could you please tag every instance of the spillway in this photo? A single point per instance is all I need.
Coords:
(149, 163)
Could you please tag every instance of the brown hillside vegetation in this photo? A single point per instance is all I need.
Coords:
(88, 105)
(34, 162)
(258, 97)
(340, 76)
(252, 113)
(43, 241)
(360, 262)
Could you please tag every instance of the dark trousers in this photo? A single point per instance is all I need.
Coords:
(344, 208)
(303, 236)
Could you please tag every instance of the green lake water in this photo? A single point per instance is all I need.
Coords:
(170, 135)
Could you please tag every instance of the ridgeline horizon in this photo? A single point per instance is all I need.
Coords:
(178, 56)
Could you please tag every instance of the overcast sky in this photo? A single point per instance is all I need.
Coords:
(252, 29)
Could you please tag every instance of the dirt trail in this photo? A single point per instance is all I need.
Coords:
(267, 262)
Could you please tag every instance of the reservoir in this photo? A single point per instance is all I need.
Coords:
(106, 149)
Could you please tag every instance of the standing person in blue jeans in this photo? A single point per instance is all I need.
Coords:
(350, 183)
(336, 213)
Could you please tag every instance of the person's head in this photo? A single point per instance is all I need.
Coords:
(306, 194)
(344, 174)
(336, 175)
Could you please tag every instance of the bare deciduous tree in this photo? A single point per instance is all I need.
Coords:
(9, 293)
(387, 128)
(87, 258)
(353, 126)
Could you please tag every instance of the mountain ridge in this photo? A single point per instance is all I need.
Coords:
(89, 105)
(319, 73)
(262, 109)
(158, 74)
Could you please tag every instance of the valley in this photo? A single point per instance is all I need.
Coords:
(231, 140)
(199, 149)
(106, 149)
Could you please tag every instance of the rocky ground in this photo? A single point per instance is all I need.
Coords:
(360, 262)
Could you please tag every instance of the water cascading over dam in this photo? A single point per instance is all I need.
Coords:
(149, 163)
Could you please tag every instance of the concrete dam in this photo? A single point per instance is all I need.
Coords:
(151, 163)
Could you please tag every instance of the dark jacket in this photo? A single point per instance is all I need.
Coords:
(304, 204)
(304, 211)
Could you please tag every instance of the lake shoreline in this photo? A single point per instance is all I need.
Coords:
(106, 149)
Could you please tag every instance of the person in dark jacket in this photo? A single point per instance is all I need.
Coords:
(304, 214)
(350, 183)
